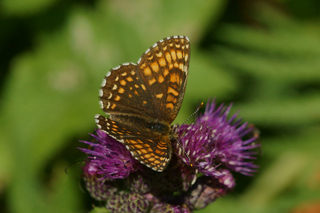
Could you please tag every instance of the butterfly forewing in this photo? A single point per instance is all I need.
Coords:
(164, 69)
(143, 100)
(122, 91)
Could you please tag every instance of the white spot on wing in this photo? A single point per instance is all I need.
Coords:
(120, 140)
(157, 170)
(101, 104)
(175, 37)
(156, 44)
(117, 67)
(125, 64)
(114, 87)
(147, 51)
(108, 74)
(138, 62)
(185, 69)
(100, 92)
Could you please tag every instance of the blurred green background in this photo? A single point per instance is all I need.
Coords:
(262, 55)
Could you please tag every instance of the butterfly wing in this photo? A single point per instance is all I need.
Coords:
(155, 87)
(143, 100)
(151, 150)
(123, 92)
(164, 70)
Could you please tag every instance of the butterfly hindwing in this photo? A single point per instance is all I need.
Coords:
(154, 152)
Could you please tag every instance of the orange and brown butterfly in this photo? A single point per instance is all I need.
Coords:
(143, 99)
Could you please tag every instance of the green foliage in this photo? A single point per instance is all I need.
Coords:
(99, 210)
(24, 7)
(50, 93)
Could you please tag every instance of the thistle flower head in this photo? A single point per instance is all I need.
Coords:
(214, 142)
(214, 146)
(111, 158)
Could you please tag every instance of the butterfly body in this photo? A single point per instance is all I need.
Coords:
(143, 99)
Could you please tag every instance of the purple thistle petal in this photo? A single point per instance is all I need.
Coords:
(215, 141)
(112, 158)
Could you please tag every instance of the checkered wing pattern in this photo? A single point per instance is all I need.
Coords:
(164, 69)
(153, 151)
(143, 100)
(123, 92)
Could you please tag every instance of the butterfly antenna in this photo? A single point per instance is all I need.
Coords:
(195, 112)
(184, 151)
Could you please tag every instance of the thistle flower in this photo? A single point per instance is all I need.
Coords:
(213, 146)
(112, 158)
(214, 141)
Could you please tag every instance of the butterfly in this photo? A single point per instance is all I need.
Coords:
(143, 99)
